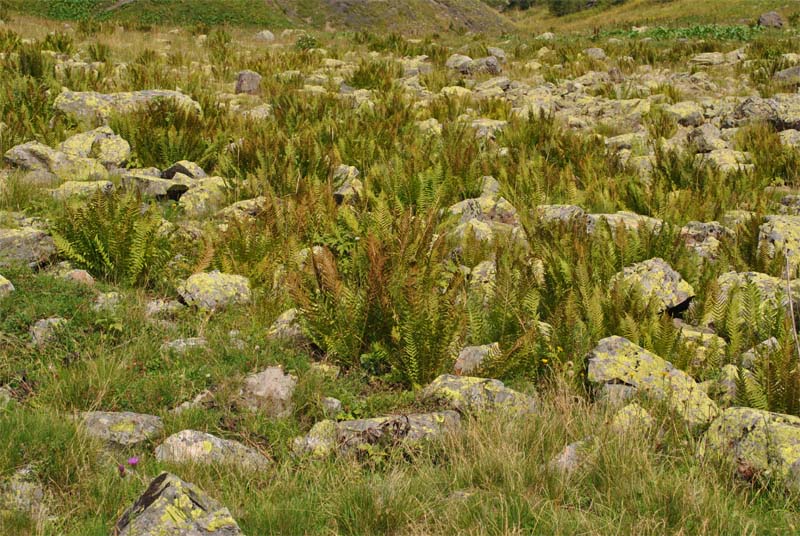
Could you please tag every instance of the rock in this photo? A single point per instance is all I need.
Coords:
(728, 160)
(471, 358)
(763, 349)
(617, 360)
(22, 493)
(633, 418)
(708, 59)
(498, 53)
(184, 167)
(215, 290)
(706, 138)
(269, 392)
(482, 279)
(73, 189)
(182, 346)
(159, 307)
(331, 406)
(762, 444)
(702, 340)
(788, 76)
(772, 290)
(704, 238)
(45, 331)
(96, 108)
(781, 234)
(259, 113)
(6, 287)
(659, 282)
(149, 186)
(687, 113)
(191, 446)
(207, 197)
(467, 394)
(630, 221)
(725, 388)
(573, 457)
(245, 210)
(596, 53)
(430, 127)
(37, 157)
(203, 399)
(106, 301)
(546, 36)
(79, 276)
(265, 35)
(248, 82)
(172, 506)
(771, 19)
(488, 128)
(550, 214)
(328, 437)
(287, 328)
(488, 65)
(460, 63)
(101, 144)
(123, 429)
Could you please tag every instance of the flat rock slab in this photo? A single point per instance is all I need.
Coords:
(123, 429)
(617, 360)
(171, 506)
(468, 394)
(269, 391)
(215, 290)
(762, 443)
(191, 446)
(97, 108)
(327, 437)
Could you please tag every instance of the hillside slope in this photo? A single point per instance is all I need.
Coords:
(409, 16)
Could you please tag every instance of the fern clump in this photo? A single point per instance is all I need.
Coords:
(114, 239)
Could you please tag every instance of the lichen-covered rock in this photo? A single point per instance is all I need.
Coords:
(707, 138)
(102, 144)
(659, 282)
(270, 392)
(703, 340)
(244, 210)
(6, 287)
(763, 349)
(122, 429)
(22, 493)
(182, 346)
(160, 307)
(460, 63)
(633, 418)
(206, 197)
(687, 113)
(184, 167)
(96, 108)
(560, 213)
(72, 189)
(617, 360)
(704, 238)
(781, 234)
(471, 358)
(773, 290)
(107, 301)
(287, 329)
(171, 506)
(44, 331)
(328, 437)
(469, 394)
(148, 185)
(215, 290)
(573, 457)
(761, 443)
(630, 221)
(727, 160)
(191, 446)
(35, 156)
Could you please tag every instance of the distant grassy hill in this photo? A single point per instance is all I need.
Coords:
(406, 15)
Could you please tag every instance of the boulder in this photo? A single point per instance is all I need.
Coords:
(269, 392)
(781, 234)
(771, 19)
(208, 196)
(101, 144)
(6, 287)
(617, 360)
(121, 429)
(630, 221)
(754, 355)
(706, 138)
(773, 290)
(633, 418)
(186, 168)
(191, 446)
(761, 443)
(39, 158)
(705, 238)
(215, 290)
(659, 282)
(550, 214)
(727, 160)
(328, 437)
(96, 108)
(22, 493)
(287, 329)
(687, 113)
(73, 189)
(471, 358)
(460, 63)
(151, 186)
(467, 394)
(248, 82)
(788, 76)
(595, 53)
(172, 506)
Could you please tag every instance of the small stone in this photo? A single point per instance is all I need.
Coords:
(771, 19)
(573, 457)
(45, 331)
(163, 308)
(331, 406)
(269, 391)
(107, 301)
(265, 35)
(632, 419)
(215, 290)
(287, 329)
(182, 346)
(248, 82)
(658, 281)
(595, 53)
(471, 358)
(468, 394)
(6, 287)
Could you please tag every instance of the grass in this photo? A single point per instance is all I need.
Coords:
(384, 296)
